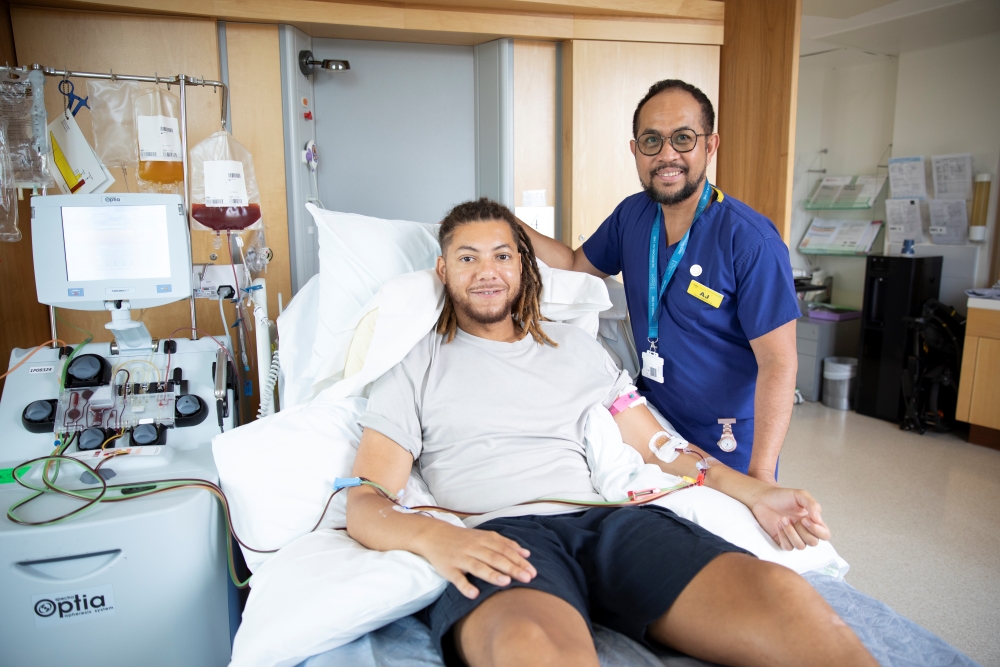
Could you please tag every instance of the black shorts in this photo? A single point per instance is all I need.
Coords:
(620, 567)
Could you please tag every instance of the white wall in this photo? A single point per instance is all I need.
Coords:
(846, 105)
(948, 101)
(933, 101)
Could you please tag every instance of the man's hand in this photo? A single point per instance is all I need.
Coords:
(455, 552)
(792, 518)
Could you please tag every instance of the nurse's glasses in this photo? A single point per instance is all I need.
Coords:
(683, 141)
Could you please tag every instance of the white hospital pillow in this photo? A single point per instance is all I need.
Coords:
(322, 589)
(278, 472)
(357, 254)
(298, 322)
(325, 590)
(360, 343)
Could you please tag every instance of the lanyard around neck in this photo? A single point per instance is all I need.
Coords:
(656, 297)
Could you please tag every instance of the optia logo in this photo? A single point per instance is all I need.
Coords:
(73, 606)
(111, 200)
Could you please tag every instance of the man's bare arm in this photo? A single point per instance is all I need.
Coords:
(791, 517)
(453, 551)
(558, 255)
(777, 364)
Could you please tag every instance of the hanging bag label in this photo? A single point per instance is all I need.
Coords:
(159, 138)
(224, 183)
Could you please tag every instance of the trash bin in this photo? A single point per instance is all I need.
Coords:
(840, 382)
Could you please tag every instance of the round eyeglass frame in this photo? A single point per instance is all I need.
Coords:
(664, 140)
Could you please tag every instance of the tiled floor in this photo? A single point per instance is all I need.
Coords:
(917, 517)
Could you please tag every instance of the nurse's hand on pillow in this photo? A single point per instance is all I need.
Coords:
(792, 517)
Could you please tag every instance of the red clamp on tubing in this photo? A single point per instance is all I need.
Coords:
(701, 478)
(634, 495)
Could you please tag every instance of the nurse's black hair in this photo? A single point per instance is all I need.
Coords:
(527, 309)
(707, 110)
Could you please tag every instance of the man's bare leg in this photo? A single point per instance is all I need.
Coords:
(521, 627)
(742, 611)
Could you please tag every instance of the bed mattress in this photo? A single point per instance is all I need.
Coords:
(894, 640)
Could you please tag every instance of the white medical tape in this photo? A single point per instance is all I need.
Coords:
(670, 449)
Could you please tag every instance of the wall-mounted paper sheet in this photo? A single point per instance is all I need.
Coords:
(533, 198)
(952, 176)
(903, 217)
(949, 221)
(540, 218)
(907, 178)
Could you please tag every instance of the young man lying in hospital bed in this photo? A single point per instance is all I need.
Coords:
(494, 404)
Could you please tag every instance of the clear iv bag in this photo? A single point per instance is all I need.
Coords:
(224, 195)
(8, 199)
(158, 133)
(22, 105)
(112, 108)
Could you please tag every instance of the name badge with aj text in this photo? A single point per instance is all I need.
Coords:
(702, 293)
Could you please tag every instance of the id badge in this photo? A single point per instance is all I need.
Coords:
(652, 366)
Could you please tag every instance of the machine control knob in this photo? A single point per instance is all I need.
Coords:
(189, 410)
(145, 434)
(187, 405)
(92, 438)
(38, 411)
(84, 368)
(39, 416)
(88, 370)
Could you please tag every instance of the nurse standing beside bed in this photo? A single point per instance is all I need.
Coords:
(709, 287)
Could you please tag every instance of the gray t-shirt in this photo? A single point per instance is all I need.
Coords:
(492, 424)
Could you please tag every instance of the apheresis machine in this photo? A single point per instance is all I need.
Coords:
(88, 578)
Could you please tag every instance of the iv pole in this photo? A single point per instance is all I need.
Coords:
(180, 80)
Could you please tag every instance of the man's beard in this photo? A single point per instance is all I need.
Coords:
(463, 304)
(690, 187)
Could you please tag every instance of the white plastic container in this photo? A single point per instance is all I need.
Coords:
(840, 382)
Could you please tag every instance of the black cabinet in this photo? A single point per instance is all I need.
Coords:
(895, 288)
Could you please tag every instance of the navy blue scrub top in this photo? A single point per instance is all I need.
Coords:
(709, 369)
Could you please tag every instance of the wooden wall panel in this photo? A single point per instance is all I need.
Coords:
(535, 119)
(608, 79)
(467, 22)
(255, 85)
(23, 321)
(757, 97)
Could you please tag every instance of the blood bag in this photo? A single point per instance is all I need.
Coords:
(8, 199)
(158, 132)
(112, 108)
(224, 195)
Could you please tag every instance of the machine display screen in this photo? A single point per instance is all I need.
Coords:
(115, 242)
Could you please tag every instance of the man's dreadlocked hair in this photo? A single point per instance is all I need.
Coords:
(526, 310)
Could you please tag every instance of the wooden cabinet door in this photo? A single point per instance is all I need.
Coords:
(602, 84)
(985, 405)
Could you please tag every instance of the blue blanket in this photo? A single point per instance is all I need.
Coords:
(895, 641)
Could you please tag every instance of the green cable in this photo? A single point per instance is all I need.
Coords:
(88, 339)
(103, 494)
